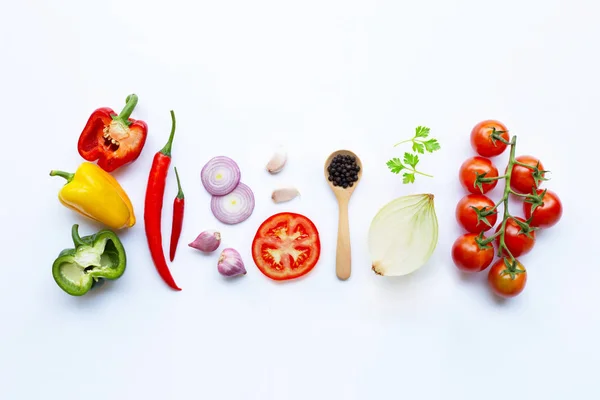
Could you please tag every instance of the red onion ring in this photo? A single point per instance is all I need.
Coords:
(220, 175)
(235, 206)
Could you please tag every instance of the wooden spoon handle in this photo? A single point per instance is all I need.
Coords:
(343, 254)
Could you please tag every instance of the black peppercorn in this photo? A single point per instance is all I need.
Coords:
(343, 171)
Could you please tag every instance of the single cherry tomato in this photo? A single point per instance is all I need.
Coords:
(468, 256)
(517, 242)
(483, 142)
(286, 246)
(548, 213)
(478, 165)
(522, 179)
(503, 282)
(467, 216)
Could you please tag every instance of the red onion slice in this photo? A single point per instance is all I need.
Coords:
(220, 175)
(235, 206)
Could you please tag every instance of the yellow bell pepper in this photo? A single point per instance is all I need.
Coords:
(95, 193)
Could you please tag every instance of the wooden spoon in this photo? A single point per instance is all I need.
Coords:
(343, 254)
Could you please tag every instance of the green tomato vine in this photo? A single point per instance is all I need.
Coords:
(534, 198)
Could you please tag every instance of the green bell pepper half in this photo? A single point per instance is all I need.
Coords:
(94, 258)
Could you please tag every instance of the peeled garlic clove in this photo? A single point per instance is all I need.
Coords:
(284, 194)
(207, 241)
(277, 162)
(230, 263)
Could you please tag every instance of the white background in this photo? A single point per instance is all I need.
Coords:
(315, 76)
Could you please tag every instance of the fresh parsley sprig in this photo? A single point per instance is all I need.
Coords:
(409, 166)
(421, 143)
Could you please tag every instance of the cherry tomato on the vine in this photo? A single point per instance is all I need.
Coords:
(517, 242)
(522, 179)
(467, 216)
(478, 165)
(547, 214)
(468, 256)
(505, 284)
(482, 141)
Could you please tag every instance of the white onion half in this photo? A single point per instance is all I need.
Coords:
(234, 207)
(403, 235)
(220, 175)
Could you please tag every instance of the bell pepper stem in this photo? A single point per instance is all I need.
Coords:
(75, 235)
(67, 175)
(167, 149)
(180, 191)
(130, 103)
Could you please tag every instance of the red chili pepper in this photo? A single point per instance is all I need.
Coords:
(153, 207)
(113, 140)
(178, 208)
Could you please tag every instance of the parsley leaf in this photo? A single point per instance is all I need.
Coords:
(422, 131)
(408, 177)
(418, 147)
(411, 159)
(395, 165)
(431, 145)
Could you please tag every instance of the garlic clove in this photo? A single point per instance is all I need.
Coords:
(277, 161)
(230, 263)
(284, 194)
(207, 241)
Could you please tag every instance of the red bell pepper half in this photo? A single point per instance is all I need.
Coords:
(114, 140)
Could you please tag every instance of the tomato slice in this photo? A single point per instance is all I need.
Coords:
(286, 246)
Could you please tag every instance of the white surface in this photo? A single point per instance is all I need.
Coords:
(316, 76)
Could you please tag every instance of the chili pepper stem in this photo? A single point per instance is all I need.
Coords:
(130, 103)
(75, 235)
(180, 191)
(167, 149)
(67, 175)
